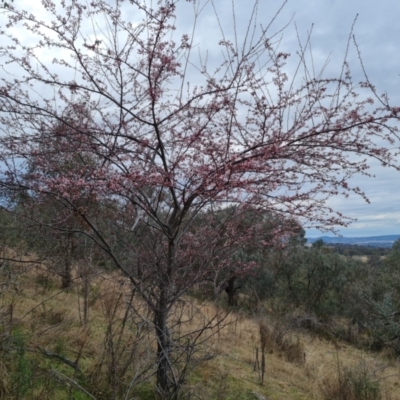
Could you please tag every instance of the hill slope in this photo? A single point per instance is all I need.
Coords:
(375, 241)
(48, 323)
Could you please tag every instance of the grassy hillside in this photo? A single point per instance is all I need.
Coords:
(51, 348)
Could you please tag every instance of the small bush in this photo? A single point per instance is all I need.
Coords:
(279, 339)
(45, 282)
(49, 316)
(351, 383)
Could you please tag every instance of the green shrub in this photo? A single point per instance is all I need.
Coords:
(21, 376)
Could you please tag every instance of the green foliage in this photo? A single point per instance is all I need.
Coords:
(145, 391)
(383, 320)
(318, 244)
(258, 286)
(22, 373)
(392, 260)
(78, 395)
(312, 278)
(370, 300)
(358, 250)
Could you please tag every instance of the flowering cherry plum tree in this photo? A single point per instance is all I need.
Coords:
(172, 133)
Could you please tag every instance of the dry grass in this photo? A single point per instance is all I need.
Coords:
(361, 258)
(297, 365)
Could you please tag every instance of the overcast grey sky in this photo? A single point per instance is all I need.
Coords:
(377, 31)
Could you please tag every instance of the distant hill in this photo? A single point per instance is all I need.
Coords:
(373, 241)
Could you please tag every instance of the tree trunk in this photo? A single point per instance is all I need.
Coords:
(164, 366)
(86, 292)
(166, 382)
(230, 290)
(66, 275)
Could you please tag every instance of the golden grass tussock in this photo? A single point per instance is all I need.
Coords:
(238, 357)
